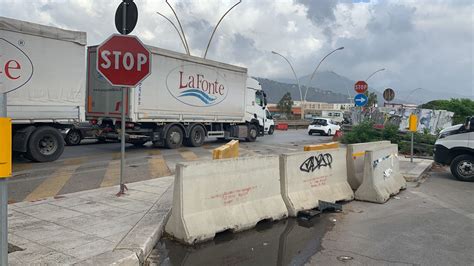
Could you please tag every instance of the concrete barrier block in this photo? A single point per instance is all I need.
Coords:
(382, 176)
(322, 146)
(307, 177)
(355, 160)
(229, 194)
(229, 150)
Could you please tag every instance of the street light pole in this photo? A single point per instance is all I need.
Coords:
(296, 77)
(375, 72)
(411, 92)
(314, 72)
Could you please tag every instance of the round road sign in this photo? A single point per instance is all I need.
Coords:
(361, 86)
(123, 60)
(131, 16)
(388, 94)
(360, 100)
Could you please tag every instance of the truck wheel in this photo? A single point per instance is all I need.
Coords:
(73, 138)
(45, 145)
(252, 133)
(462, 167)
(174, 137)
(196, 137)
(271, 130)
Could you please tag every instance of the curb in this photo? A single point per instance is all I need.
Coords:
(135, 247)
(415, 177)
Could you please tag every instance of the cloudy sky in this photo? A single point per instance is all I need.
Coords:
(421, 43)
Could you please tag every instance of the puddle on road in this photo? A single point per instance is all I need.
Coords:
(287, 242)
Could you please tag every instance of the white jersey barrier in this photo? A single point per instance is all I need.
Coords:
(382, 177)
(310, 176)
(229, 194)
(355, 160)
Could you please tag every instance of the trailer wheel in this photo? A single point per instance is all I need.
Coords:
(196, 136)
(73, 138)
(45, 145)
(252, 133)
(174, 137)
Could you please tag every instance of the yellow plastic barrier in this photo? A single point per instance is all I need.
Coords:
(5, 147)
(229, 150)
(323, 146)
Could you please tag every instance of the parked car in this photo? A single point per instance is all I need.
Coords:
(323, 126)
(455, 147)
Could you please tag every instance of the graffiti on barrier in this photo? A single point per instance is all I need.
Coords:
(316, 162)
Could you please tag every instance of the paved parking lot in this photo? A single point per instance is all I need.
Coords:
(93, 165)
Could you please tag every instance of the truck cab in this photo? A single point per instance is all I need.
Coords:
(256, 109)
(455, 147)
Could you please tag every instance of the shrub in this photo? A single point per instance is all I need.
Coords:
(363, 132)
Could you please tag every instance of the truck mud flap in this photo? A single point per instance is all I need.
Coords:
(20, 138)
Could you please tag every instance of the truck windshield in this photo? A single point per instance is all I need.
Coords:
(259, 98)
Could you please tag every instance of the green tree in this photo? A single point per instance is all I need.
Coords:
(372, 98)
(461, 108)
(285, 104)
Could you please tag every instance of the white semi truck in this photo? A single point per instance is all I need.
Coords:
(43, 70)
(183, 101)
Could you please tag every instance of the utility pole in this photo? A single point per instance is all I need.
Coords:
(4, 174)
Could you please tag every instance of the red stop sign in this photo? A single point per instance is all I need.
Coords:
(123, 60)
(361, 86)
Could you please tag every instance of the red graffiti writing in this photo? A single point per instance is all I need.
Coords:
(230, 196)
(316, 181)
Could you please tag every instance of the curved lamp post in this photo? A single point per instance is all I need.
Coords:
(411, 92)
(312, 76)
(296, 77)
(382, 69)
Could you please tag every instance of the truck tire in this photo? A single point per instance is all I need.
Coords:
(252, 133)
(73, 138)
(462, 167)
(196, 137)
(174, 137)
(45, 145)
(271, 130)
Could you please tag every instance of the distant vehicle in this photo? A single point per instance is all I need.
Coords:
(79, 131)
(183, 101)
(323, 126)
(455, 147)
(336, 116)
(46, 81)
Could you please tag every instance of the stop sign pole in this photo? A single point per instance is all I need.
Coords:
(124, 62)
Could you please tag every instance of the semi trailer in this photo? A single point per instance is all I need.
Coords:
(42, 69)
(183, 101)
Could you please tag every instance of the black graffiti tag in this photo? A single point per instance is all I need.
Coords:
(316, 162)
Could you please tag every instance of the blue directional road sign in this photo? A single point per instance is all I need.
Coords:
(360, 100)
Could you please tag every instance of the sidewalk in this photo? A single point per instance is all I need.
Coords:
(412, 172)
(90, 227)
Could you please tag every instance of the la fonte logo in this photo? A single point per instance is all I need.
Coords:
(201, 87)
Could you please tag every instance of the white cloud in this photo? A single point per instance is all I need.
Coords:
(421, 43)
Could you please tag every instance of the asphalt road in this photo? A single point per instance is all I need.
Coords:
(428, 224)
(92, 165)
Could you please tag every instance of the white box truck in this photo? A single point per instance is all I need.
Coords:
(43, 70)
(184, 100)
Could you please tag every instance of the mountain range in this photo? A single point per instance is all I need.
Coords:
(331, 87)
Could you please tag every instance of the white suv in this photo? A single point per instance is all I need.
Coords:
(323, 126)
